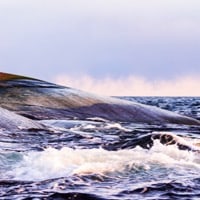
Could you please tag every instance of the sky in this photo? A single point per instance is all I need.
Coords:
(110, 47)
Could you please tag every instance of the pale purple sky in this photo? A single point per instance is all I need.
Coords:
(152, 40)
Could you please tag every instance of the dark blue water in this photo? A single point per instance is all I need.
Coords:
(101, 159)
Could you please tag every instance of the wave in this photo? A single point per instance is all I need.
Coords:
(66, 162)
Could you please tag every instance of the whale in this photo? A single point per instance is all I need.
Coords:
(41, 100)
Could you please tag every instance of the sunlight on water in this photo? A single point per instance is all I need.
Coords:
(53, 163)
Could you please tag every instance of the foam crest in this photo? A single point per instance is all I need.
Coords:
(116, 126)
(101, 126)
(53, 163)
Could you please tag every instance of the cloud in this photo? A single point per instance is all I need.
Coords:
(133, 86)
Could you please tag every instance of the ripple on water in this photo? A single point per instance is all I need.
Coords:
(99, 159)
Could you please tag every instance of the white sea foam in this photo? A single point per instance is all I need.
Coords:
(101, 126)
(53, 163)
(116, 126)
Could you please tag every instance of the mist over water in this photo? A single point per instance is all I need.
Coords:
(101, 159)
(139, 85)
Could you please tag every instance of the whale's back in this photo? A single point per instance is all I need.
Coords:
(38, 99)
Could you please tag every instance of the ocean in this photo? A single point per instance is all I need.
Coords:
(99, 159)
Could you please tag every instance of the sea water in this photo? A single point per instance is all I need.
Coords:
(101, 159)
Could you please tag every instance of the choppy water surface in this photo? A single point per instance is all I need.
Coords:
(99, 159)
